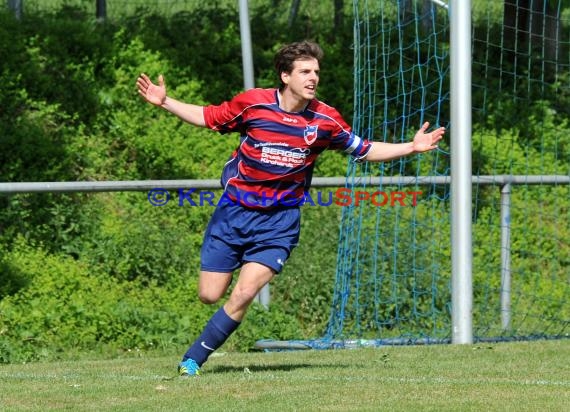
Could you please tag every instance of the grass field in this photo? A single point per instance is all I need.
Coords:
(523, 376)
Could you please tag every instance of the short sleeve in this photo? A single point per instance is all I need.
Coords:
(228, 116)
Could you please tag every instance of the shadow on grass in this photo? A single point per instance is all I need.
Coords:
(270, 368)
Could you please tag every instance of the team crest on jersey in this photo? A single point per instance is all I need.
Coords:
(310, 134)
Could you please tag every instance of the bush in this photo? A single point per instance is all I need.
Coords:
(67, 307)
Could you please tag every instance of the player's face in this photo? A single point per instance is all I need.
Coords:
(303, 80)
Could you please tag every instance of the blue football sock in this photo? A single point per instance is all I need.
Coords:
(217, 330)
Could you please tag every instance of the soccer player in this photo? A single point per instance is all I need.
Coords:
(282, 132)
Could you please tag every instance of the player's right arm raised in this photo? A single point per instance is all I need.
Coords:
(156, 94)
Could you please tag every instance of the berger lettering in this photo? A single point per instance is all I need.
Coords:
(281, 152)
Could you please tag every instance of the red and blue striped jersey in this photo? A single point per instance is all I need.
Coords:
(274, 162)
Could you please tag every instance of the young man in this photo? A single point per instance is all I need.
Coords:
(282, 132)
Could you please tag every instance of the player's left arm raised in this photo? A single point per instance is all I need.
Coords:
(423, 142)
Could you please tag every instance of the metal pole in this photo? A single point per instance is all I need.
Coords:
(506, 256)
(263, 297)
(174, 185)
(245, 33)
(441, 4)
(461, 230)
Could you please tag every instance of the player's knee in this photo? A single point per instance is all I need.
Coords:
(208, 297)
(244, 295)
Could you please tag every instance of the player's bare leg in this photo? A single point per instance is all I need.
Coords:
(253, 277)
(212, 286)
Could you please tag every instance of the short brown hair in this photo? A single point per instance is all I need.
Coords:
(289, 53)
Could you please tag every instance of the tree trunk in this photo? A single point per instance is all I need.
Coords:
(101, 12)
(338, 15)
(16, 6)
(294, 12)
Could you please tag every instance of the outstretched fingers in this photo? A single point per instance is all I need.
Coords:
(437, 135)
(151, 92)
(425, 141)
(143, 82)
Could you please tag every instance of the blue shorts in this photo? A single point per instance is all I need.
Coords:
(236, 235)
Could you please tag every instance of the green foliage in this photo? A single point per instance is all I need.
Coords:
(12, 277)
(539, 260)
(68, 305)
(276, 322)
(137, 241)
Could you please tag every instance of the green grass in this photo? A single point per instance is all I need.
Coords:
(500, 377)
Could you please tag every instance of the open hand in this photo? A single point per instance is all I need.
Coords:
(152, 93)
(424, 142)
